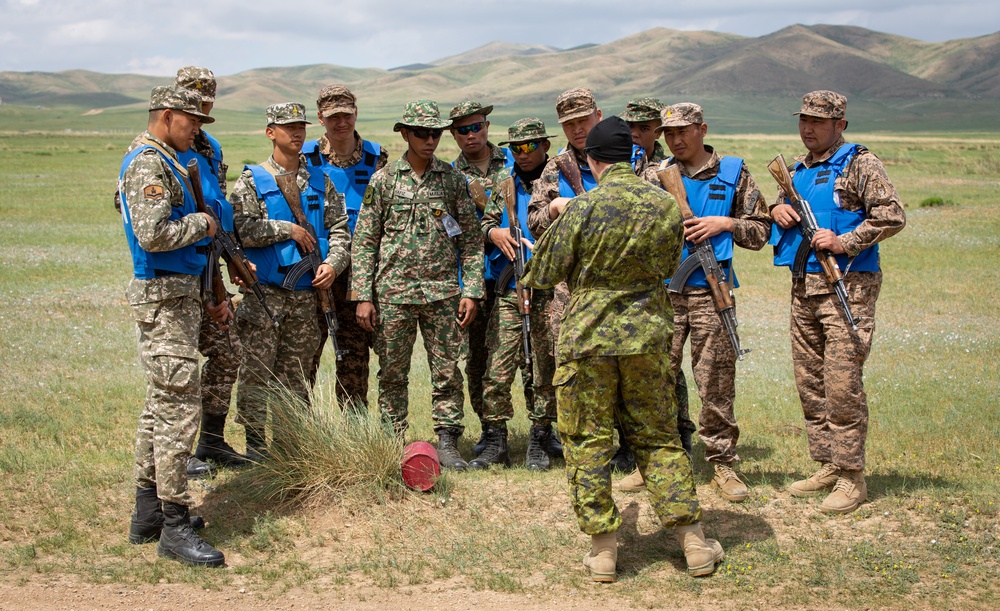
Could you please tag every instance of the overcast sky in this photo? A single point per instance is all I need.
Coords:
(229, 36)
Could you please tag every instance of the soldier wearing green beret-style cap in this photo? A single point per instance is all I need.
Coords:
(643, 117)
(416, 213)
(284, 209)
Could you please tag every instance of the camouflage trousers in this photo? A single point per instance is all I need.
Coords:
(353, 341)
(395, 334)
(828, 358)
(506, 347)
(477, 350)
(713, 362)
(167, 337)
(636, 391)
(275, 358)
(223, 352)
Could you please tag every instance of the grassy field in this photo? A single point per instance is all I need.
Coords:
(72, 388)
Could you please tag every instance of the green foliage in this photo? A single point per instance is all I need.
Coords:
(934, 202)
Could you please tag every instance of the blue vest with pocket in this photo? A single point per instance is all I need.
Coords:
(352, 181)
(209, 170)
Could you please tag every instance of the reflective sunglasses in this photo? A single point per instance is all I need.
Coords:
(525, 147)
(423, 133)
(474, 128)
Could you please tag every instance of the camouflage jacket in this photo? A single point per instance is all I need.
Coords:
(496, 171)
(658, 155)
(256, 230)
(614, 246)
(402, 252)
(493, 215)
(864, 185)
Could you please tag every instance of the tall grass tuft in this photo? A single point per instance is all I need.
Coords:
(318, 451)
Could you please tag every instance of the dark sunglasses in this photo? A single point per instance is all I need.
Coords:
(474, 128)
(422, 133)
(525, 147)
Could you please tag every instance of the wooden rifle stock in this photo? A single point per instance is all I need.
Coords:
(520, 257)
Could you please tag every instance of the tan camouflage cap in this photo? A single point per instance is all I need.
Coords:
(823, 104)
(336, 98)
(642, 109)
(286, 113)
(421, 113)
(469, 108)
(575, 103)
(200, 79)
(526, 130)
(681, 115)
(178, 98)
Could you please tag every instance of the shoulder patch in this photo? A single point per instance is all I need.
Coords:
(153, 191)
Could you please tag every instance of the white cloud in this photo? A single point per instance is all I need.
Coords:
(157, 65)
(95, 31)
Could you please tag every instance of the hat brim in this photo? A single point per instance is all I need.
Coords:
(290, 122)
(202, 116)
(347, 110)
(818, 115)
(577, 115)
(485, 111)
(427, 124)
(674, 124)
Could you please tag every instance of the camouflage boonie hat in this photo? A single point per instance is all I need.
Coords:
(526, 130)
(642, 109)
(286, 113)
(421, 113)
(336, 98)
(469, 108)
(681, 115)
(575, 103)
(178, 98)
(200, 79)
(823, 104)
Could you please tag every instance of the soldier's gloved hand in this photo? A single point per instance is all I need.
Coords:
(366, 316)
(467, 309)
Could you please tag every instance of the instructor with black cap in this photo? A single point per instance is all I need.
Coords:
(614, 245)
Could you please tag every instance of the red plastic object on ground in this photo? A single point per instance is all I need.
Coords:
(421, 467)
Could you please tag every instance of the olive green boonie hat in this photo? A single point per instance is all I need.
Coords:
(421, 113)
(200, 79)
(178, 98)
(335, 99)
(526, 130)
(681, 115)
(469, 108)
(823, 104)
(286, 113)
(575, 103)
(642, 109)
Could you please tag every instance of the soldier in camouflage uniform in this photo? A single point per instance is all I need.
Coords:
(856, 207)
(417, 211)
(166, 236)
(529, 144)
(487, 164)
(729, 210)
(643, 117)
(614, 349)
(271, 204)
(349, 161)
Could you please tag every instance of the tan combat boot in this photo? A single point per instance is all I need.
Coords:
(818, 482)
(729, 484)
(602, 557)
(849, 492)
(632, 482)
(701, 554)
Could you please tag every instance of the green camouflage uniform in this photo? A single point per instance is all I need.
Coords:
(614, 246)
(405, 263)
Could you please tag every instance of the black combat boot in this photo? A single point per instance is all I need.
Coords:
(199, 469)
(495, 452)
(623, 460)
(481, 444)
(554, 447)
(538, 439)
(178, 541)
(212, 444)
(147, 518)
(448, 454)
(256, 446)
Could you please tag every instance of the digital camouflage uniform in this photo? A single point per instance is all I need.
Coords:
(353, 368)
(828, 356)
(646, 109)
(613, 349)
(280, 356)
(167, 311)
(405, 263)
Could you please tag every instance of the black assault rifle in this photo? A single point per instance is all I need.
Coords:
(702, 255)
(808, 227)
(516, 267)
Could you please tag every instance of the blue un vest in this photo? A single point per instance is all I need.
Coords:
(587, 177)
(147, 265)
(209, 170)
(714, 197)
(274, 261)
(816, 185)
(496, 261)
(351, 181)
